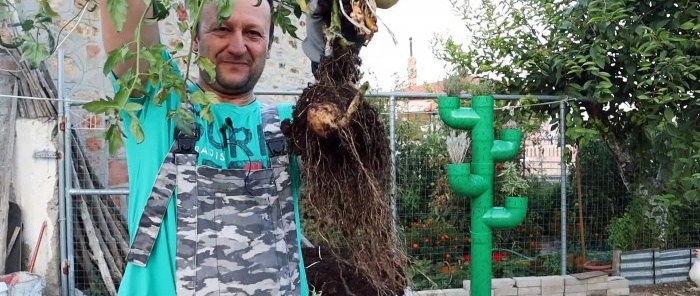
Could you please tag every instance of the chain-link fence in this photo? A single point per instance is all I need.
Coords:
(434, 223)
(97, 232)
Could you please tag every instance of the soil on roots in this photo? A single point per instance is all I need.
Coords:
(329, 274)
(345, 172)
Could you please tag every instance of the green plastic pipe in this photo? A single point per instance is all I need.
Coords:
(475, 180)
(463, 182)
(509, 216)
(508, 146)
(454, 116)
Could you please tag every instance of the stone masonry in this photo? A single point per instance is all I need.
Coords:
(582, 284)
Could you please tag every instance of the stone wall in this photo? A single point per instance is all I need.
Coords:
(581, 284)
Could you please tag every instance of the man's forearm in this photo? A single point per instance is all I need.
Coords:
(113, 39)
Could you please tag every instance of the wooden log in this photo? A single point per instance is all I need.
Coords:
(94, 244)
(114, 248)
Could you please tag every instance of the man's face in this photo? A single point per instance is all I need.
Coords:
(237, 46)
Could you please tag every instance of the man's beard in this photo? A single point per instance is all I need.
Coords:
(244, 84)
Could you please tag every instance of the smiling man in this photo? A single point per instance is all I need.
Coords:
(217, 213)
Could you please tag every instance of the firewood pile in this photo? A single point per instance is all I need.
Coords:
(100, 235)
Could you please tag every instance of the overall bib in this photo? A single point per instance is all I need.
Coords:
(236, 229)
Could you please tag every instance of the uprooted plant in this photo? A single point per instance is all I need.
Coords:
(345, 155)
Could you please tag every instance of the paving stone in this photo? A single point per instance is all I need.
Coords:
(576, 288)
(530, 291)
(618, 292)
(570, 280)
(524, 282)
(502, 283)
(555, 280)
(552, 290)
(506, 291)
(618, 282)
(596, 293)
(598, 286)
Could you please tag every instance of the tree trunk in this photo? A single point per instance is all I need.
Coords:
(626, 165)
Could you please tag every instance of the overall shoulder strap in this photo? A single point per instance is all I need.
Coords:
(276, 144)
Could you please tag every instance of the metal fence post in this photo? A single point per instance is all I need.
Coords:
(392, 147)
(68, 179)
(61, 174)
(562, 143)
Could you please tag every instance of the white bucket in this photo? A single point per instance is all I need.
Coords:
(22, 283)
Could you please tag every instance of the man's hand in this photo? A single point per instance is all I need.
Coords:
(318, 19)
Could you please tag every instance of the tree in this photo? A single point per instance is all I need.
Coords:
(637, 61)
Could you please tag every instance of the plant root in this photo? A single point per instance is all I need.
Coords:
(345, 158)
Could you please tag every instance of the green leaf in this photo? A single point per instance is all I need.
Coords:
(117, 10)
(197, 98)
(46, 8)
(668, 114)
(135, 128)
(131, 107)
(27, 25)
(114, 57)
(225, 8)
(34, 53)
(211, 98)
(100, 106)
(114, 138)
(122, 96)
(206, 113)
(205, 64)
(688, 25)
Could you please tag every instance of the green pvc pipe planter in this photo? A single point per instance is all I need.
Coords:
(509, 216)
(508, 146)
(463, 182)
(475, 180)
(454, 116)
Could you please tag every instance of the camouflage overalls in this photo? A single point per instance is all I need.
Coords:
(236, 230)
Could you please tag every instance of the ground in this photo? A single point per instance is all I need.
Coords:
(679, 289)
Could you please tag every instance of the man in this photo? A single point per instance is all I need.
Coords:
(214, 214)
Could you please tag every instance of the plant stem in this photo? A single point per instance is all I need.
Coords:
(137, 39)
(193, 34)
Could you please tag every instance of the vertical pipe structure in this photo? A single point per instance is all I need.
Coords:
(61, 174)
(68, 180)
(475, 180)
(562, 144)
(392, 148)
(482, 165)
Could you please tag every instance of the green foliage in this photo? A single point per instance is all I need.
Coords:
(117, 9)
(454, 85)
(435, 240)
(421, 169)
(427, 275)
(633, 231)
(636, 61)
(511, 181)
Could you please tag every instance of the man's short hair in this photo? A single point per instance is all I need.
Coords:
(272, 24)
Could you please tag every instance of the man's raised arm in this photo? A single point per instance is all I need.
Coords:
(113, 39)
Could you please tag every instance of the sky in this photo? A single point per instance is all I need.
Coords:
(383, 61)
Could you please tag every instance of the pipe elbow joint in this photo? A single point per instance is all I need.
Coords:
(463, 182)
(508, 146)
(454, 116)
(509, 216)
